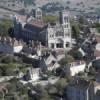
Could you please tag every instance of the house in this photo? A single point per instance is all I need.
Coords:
(59, 54)
(93, 19)
(87, 47)
(97, 38)
(97, 87)
(8, 45)
(15, 5)
(97, 51)
(97, 96)
(48, 62)
(82, 52)
(75, 67)
(96, 64)
(80, 89)
(32, 74)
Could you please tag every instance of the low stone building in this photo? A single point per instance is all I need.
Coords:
(80, 89)
(8, 45)
(32, 74)
(75, 67)
(97, 95)
(48, 62)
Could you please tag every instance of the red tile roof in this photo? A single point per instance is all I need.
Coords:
(22, 18)
(37, 23)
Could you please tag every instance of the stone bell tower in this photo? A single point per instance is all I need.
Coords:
(65, 23)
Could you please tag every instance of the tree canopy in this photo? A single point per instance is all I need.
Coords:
(4, 27)
(75, 28)
(51, 19)
(77, 55)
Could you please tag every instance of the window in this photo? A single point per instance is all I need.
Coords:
(52, 45)
(66, 26)
(51, 35)
(67, 44)
(59, 45)
(67, 34)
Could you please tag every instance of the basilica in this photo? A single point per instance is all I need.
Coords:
(53, 36)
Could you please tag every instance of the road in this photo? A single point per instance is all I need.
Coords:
(51, 80)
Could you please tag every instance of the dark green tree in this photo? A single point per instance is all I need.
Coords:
(4, 27)
(82, 20)
(77, 55)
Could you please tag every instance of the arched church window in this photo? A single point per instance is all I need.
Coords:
(65, 19)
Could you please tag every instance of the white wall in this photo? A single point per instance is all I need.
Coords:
(17, 49)
(76, 69)
(6, 48)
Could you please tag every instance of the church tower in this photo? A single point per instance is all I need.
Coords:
(65, 23)
(37, 13)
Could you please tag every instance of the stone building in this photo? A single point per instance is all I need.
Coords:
(30, 27)
(52, 36)
(80, 89)
(8, 45)
(76, 67)
(59, 35)
(49, 63)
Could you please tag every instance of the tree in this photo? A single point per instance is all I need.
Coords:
(17, 89)
(42, 93)
(29, 2)
(96, 25)
(68, 2)
(75, 30)
(51, 19)
(67, 7)
(61, 85)
(63, 62)
(77, 55)
(81, 20)
(66, 60)
(70, 58)
(98, 29)
(4, 27)
(7, 59)
(46, 96)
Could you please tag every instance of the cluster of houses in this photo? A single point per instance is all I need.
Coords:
(82, 89)
(9, 45)
(86, 88)
(9, 4)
